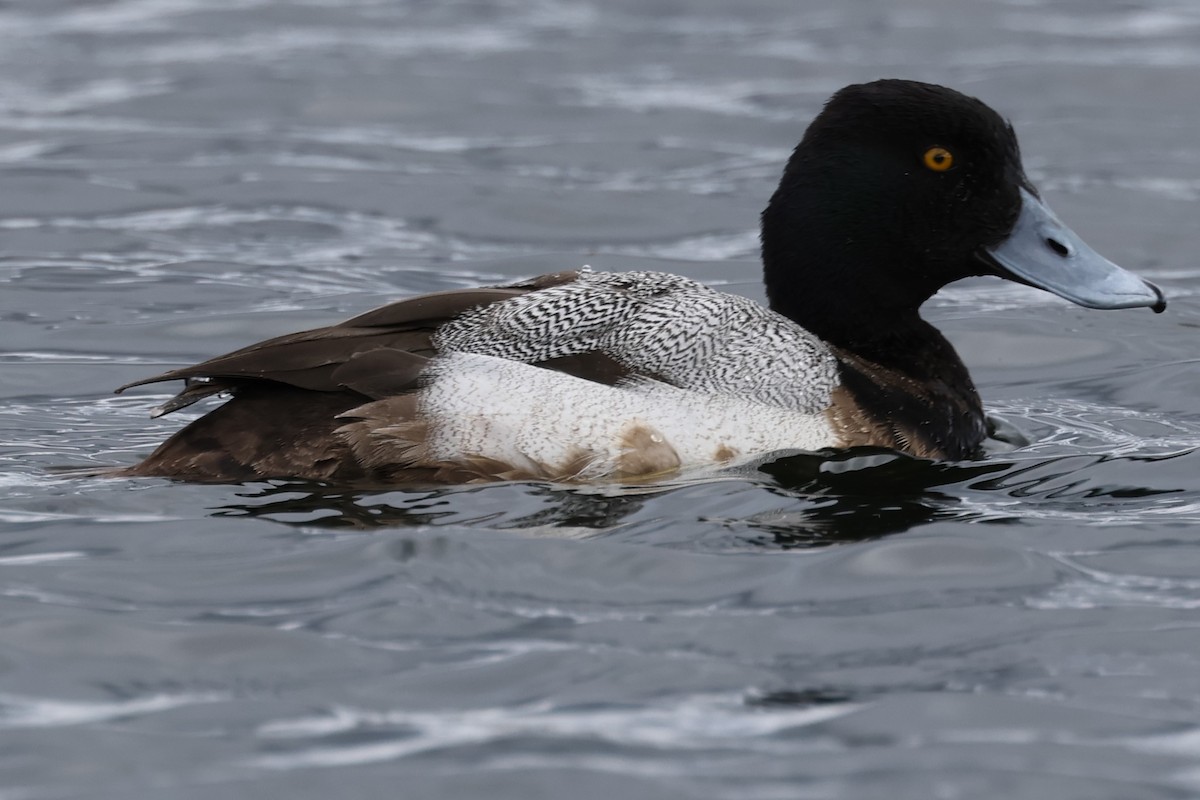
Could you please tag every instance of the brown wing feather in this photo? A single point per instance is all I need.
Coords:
(288, 393)
(309, 358)
(265, 431)
(317, 359)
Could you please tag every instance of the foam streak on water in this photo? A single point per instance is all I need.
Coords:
(699, 723)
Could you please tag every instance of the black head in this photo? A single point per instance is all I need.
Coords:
(892, 193)
(897, 189)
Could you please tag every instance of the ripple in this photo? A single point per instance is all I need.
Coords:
(1182, 189)
(1138, 23)
(40, 558)
(705, 247)
(1095, 588)
(18, 712)
(1068, 426)
(22, 98)
(655, 91)
(1106, 56)
(699, 723)
(467, 42)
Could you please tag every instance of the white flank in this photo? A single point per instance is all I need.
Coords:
(525, 415)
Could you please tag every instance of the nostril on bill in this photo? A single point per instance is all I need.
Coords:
(1058, 247)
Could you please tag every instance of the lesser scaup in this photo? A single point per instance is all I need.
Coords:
(897, 189)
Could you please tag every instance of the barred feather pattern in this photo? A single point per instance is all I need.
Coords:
(672, 328)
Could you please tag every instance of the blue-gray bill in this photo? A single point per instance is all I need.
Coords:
(1043, 252)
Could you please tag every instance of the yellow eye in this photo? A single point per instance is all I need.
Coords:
(939, 159)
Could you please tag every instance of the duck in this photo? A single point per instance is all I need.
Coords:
(896, 189)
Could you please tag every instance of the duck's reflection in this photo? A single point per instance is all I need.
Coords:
(857, 495)
(832, 498)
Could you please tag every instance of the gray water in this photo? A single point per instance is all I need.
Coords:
(182, 177)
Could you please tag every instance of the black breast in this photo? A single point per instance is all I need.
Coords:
(912, 393)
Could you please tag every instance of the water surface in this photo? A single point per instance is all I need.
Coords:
(181, 177)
